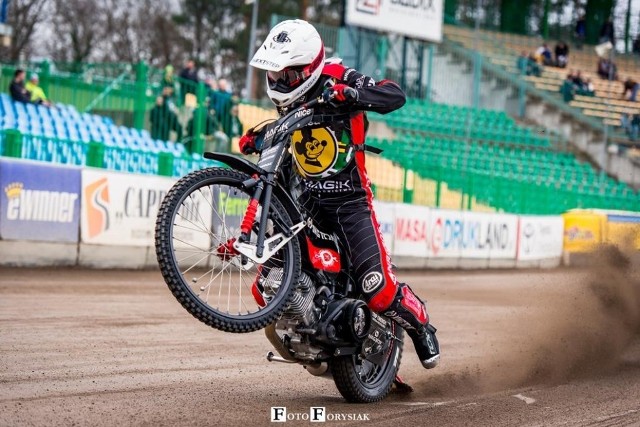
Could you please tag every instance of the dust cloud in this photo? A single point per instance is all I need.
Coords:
(580, 331)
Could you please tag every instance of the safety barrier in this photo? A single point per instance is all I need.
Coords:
(61, 215)
(586, 229)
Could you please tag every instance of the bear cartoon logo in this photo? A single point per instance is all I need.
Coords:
(315, 151)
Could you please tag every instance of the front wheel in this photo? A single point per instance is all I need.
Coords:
(366, 377)
(197, 223)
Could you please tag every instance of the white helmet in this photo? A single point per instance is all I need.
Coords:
(293, 56)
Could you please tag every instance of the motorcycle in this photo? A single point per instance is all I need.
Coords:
(240, 255)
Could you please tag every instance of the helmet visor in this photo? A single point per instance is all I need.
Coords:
(288, 79)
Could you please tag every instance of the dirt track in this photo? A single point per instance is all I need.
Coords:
(114, 348)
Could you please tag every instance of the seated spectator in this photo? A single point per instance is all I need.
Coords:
(533, 68)
(163, 120)
(631, 124)
(562, 55)
(543, 54)
(17, 90)
(37, 93)
(630, 91)
(577, 79)
(568, 88)
(587, 88)
(607, 69)
(523, 62)
(527, 65)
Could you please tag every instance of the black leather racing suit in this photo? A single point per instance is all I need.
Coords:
(329, 155)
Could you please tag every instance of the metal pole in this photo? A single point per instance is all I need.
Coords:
(545, 21)
(252, 43)
(627, 27)
(605, 150)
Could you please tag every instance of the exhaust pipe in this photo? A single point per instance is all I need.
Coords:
(273, 358)
(318, 370)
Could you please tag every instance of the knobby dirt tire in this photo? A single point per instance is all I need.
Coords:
(350, 385)
(174, 278)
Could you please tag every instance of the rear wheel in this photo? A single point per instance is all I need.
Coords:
(197, 223)
(367, 378)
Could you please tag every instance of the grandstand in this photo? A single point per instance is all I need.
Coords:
(503, 50)
(498, 163)
(63, 135)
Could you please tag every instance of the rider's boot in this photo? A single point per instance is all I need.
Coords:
(410, 312)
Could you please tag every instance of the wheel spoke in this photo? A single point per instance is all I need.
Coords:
(206, 213)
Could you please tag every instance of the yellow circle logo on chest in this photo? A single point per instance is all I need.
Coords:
(315, 151)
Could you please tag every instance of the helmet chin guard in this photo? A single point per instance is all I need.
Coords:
(293, 56)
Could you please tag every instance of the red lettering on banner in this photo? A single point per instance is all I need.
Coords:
(414, 230)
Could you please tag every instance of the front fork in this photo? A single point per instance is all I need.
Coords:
(264, 191)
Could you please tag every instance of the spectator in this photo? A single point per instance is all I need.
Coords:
(215, 139)
(562, 54)
(528, 65)
(636, 45)
(37, 93)
(631, 88)
(588, 89)
(568, 88)
(577, 79)
(222, 102)
(607, 69)
(631, 124)
(543, 55)
(607, 32)
(235, 127)
(17, 90)
(168, 81)
(523, 63)
(581, 31)
(163, 120)
(534, 69)
(190, 74)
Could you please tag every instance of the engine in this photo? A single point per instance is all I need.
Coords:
(301, 314)
(301, 309)
(316, 321)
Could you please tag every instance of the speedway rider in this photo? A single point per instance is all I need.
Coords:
(329, 156)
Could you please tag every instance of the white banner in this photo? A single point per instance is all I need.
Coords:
(385, 213)
(410, 231)
(540, 237)
(420, 19)
(455, 234)
(120, 209)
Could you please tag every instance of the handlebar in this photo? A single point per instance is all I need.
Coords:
(322, 99)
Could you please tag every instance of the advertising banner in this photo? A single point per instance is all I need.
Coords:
(121, 209)
(411, 230)
(455, 234)
(420, 19)
(583, 230)
(540, 237)
(229, 207)
(623, 229)
(385, 213)
(39, 201)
